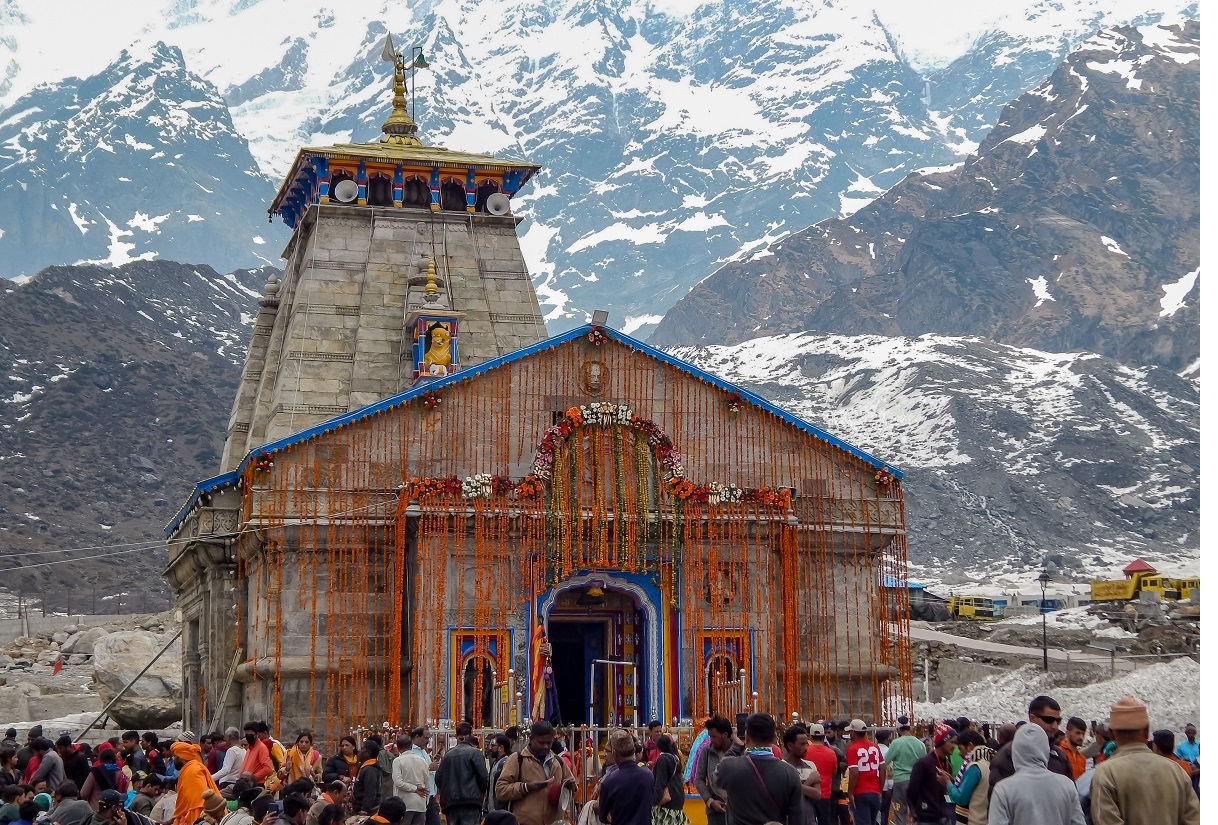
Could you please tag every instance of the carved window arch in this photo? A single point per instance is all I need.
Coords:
(380, 189)
(485, 189)
(478, 689)
(452, 196)
(416, 193)
(337, 177)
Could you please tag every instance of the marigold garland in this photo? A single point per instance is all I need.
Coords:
(430, 399)
(597, 337)
(604, 414)
(884, 479)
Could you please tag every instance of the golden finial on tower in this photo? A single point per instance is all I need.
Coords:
(399, 127)
(432, 291)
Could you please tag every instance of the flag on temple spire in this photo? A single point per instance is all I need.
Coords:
(388, 54)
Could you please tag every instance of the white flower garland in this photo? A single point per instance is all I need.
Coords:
(477, 486)
(724, 493)
(604, 414)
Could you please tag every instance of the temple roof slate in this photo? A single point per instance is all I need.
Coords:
(406, 396)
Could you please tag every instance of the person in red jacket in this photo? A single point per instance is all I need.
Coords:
(257, 762)
(825, 760)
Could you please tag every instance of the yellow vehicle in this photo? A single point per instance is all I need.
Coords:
(1189, 588)
(1139, 577)
(971, 607)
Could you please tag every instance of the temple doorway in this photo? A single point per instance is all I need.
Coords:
(598, 633)
(577, 644)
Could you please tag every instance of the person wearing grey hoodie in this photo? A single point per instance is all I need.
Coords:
(1034, 795)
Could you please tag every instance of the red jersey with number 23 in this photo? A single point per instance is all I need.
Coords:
(865, 756)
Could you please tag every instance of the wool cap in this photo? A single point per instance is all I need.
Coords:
(214, 805)
(1127, 713)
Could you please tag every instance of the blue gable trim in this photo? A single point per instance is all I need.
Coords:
(406, 396)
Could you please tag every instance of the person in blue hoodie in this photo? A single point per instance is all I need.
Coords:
(1034, 795)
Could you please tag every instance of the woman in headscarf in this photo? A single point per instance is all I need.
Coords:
(342, 765)
(193, 779)
(105, 775)
(302, 759)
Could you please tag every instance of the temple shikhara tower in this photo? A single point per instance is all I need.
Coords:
(418, 488)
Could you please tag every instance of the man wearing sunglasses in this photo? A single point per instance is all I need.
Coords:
(1044, 712)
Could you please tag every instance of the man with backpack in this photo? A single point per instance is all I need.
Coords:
(533, 780)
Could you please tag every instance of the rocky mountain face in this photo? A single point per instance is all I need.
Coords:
(138, 161)
(1075, 226)
(1013, 458)
(116, 387)
(1017, 54)
(675, 136)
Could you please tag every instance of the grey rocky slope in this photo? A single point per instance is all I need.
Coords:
(118, 384)
(1075, 226)
(1013, 458)
(137, 161)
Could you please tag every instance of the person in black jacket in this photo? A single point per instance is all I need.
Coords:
(75, 762)
(462, 780)
(8, 768)
(342, 765)
(1044, 712)
(928, 780)
(366, 790)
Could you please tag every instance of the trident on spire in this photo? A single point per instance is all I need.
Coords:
(400, 126)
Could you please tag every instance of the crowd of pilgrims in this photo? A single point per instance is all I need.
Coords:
(1044, 770)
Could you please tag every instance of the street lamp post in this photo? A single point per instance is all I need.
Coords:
(1043, 578)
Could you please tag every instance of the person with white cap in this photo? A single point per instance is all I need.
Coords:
(825, 760)
(902, 753)
(866, 765)
(1135, 786)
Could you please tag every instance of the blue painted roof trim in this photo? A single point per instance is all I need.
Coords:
(406, 396)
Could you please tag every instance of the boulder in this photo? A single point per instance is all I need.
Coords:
(15, 700)
(155, 700)
(77, 659)
(83, 641)
(59, 637)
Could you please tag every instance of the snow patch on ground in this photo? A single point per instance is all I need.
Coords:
(1040, 287)
(1171, 691)
(1030, 135)
(635, 322)
(1112, 246)
(1175, 293)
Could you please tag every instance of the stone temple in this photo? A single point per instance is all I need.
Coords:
(422, 495)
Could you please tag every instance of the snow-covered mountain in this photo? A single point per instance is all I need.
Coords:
(675, 135)
(1013, 458)
(138, 161)
(1075, 226)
